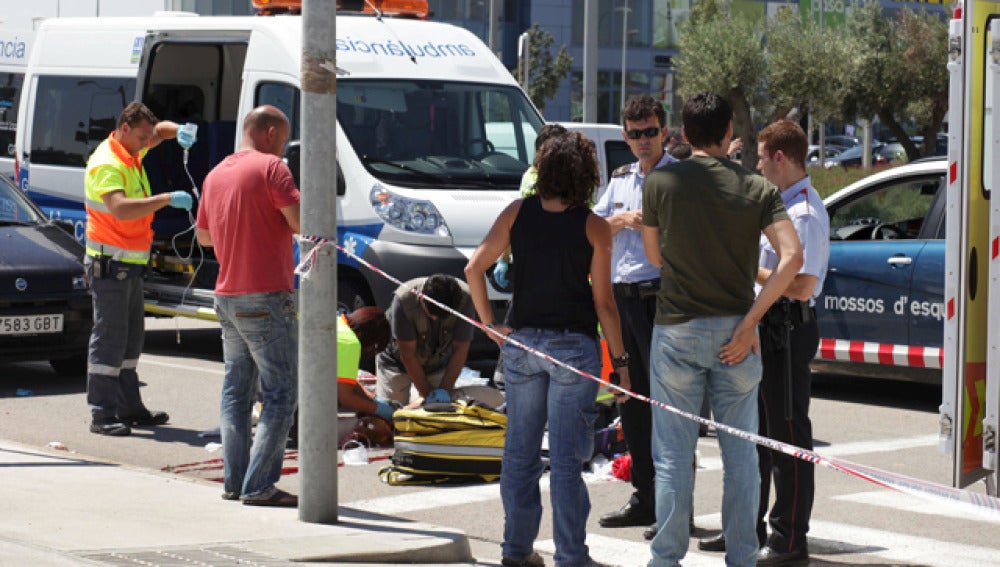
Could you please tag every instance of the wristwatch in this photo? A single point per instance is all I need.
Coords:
(620, 361)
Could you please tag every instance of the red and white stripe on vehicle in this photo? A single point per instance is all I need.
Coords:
(880, 353)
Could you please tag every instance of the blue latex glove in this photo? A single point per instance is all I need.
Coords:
(187, 134)
(500, 273)
(384, 409)
(181, 200)
(438, 395)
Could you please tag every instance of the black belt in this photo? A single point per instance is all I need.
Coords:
(641, 289)
(784, 309)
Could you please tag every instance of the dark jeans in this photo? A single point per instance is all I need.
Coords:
(794, 480)
(636, 314)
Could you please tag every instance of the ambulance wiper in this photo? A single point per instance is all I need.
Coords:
(429, 176)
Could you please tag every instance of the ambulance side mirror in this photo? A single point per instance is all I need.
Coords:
(293, 158)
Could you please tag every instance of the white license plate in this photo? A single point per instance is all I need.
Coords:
(31, 324)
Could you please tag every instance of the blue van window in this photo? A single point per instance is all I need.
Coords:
(75, 114)
(10, 97)
(285, 98)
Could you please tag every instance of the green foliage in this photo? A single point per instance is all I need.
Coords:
(806, 67)
(724, 53)
(545, 72)
(829, 181)
(898, 71)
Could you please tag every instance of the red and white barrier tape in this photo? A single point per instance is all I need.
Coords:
(880, 353)
(983, 506)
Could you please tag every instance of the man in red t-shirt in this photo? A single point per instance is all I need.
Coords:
(249, 212)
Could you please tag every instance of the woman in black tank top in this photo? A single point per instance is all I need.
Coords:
(557, 244)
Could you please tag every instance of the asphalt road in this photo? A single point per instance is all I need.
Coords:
(891, 426)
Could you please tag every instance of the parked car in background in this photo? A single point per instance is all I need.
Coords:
(842, 141)
(45, 305)
(851, 157)
(829, 151)
(881, 313)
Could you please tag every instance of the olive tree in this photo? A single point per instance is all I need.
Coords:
(545, 72)
(723, 52)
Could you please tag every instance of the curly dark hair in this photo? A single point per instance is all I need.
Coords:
(567, 169)
(705, 117)
(548, 131)
(642, 107)
(136, 113)
(371, 327)
(443, 289)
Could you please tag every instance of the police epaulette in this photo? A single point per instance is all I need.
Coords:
(623, 170)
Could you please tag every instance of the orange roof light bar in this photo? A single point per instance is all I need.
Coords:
(411, 8)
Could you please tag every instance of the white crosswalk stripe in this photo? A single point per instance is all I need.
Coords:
(838, 450)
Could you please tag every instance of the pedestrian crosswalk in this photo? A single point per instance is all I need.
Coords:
(839, 542)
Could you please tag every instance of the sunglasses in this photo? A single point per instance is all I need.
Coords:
(651, 132)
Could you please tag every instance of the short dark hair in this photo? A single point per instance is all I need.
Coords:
(371, 327)
(680, 150)
(706, 117)
(567, 169)
(642, 107)
(788, 137)
(136, 113)
(443, 289)
(548, 131)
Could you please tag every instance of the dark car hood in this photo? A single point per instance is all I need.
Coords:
(43, 255)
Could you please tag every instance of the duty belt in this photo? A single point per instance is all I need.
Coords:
(796, 312)
(641, 289)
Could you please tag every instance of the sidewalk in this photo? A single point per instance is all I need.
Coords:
(63, 510)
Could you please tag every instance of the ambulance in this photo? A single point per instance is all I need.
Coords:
(419, 179)
(15, 46)
(970, 408)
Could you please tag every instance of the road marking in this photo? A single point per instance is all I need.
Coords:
(826, 539)
(840, 449)
(907, 503)
(151, 359)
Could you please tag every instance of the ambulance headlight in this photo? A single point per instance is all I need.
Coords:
(411, 215)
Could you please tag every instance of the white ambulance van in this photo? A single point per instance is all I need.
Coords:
(15, 45)
(419, 179)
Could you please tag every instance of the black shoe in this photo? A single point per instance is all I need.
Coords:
(627, 516)
(533, 560)
(230, 495)
(148, 419)
(113, 429)
(714, 543)
(770, 556)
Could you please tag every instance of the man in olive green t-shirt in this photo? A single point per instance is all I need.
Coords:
(702, 220)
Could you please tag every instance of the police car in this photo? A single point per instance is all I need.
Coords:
(881, 312)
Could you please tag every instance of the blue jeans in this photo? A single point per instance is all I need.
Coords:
(685, 359)
(259, 342)
(537, 390)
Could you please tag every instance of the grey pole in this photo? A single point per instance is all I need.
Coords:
(495, 27)
(590, 60)
(318, 292)
(625, 11)
(524, 51)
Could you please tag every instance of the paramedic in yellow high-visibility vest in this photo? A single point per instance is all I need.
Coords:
(363, 331)
(120, 207)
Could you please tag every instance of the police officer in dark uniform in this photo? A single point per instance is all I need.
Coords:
(789, 337)
(635, 283)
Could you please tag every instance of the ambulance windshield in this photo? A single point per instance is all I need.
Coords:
(435, 134)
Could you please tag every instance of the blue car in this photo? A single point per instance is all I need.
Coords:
(881, 313)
